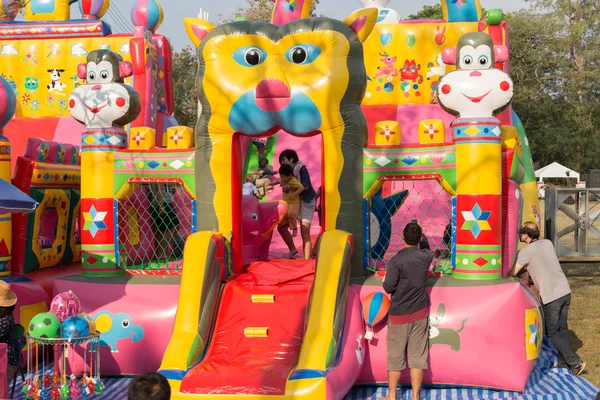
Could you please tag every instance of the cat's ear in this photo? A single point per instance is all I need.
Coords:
(362, 22)
(197, 29)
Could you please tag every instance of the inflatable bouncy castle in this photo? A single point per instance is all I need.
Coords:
(85, 222)
(389, 108)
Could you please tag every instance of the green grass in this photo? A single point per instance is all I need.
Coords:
(584, 315)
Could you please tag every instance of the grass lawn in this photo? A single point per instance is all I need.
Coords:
(584, 315)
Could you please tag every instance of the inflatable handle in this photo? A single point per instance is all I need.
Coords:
(494, 17)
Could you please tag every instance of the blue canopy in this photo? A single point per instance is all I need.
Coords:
(13, 200)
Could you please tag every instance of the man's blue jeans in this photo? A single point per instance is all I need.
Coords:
(556, 314)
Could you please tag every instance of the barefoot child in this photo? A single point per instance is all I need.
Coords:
(263, 181)
(291, 189)
(249, 189)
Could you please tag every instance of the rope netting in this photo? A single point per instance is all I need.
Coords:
(400, 202)
(153, 225)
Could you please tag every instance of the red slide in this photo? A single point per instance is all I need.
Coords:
(236, 363)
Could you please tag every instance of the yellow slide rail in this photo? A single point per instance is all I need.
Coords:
(198, 300)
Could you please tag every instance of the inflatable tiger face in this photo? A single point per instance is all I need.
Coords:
(256, 77)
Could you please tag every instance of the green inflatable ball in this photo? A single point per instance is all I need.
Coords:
(44, 326)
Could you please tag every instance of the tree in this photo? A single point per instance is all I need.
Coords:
(258, 10)
(185, 66)
(428, 12)
(555, 48)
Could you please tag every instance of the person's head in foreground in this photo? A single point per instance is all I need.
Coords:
(250, 178)
(412, 234)
(286, 172)
(289, 157)
(529, 232)
(149, 386)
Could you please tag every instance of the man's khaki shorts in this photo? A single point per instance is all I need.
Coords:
(411, 339)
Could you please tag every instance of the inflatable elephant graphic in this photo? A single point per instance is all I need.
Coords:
(115, 327)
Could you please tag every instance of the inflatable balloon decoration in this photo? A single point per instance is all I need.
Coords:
(476, 92)
(105, 104)
(375, 309)
(93, 9)
(65, 305)
(8, 106)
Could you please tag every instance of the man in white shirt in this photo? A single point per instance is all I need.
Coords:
(539, 259)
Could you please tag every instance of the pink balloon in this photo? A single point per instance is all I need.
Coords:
(65, 305)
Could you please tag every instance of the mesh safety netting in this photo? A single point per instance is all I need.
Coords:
(427, 203)
(153, 225)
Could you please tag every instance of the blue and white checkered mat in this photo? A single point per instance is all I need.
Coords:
(544, 384)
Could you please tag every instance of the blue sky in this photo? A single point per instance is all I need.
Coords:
(177, 10)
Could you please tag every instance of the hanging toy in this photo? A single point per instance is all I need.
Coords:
(31, 390)
(64, 391)
(44, 393)
(90, 386)
(47, 381)
(375, 308)
(74, 389)
(99, 388)
(25, 387)
(55, 393)
(56, 378)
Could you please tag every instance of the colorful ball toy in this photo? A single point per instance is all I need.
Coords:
(375, 309)
(75, 327)
(65, 305)
(44, 325)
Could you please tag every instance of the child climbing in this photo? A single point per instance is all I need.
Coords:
(291, 189)
(263, 181)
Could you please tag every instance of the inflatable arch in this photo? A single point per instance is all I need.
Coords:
(49, 172)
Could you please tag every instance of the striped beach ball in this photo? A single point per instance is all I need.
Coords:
(375, 308)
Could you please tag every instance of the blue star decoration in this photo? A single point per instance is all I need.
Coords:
(534, 330)
(94, 221)
(290, 6)
(476, 220)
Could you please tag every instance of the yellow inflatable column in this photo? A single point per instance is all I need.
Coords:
(8, 105)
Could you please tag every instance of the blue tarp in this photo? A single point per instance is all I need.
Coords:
(13, 200)
(544, 384)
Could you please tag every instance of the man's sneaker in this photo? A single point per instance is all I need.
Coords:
(578, 369)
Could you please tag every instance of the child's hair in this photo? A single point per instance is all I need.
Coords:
(286, 170)
(263, 162)
(289, 154)
(149, 386)
(249, 178)
(412, 233)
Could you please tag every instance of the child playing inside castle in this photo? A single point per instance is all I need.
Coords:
(291, 189)
(8, 299)
(249, 189)
(263, 181)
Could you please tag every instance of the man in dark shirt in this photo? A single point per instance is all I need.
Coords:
(408, 328)
(307, 205)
